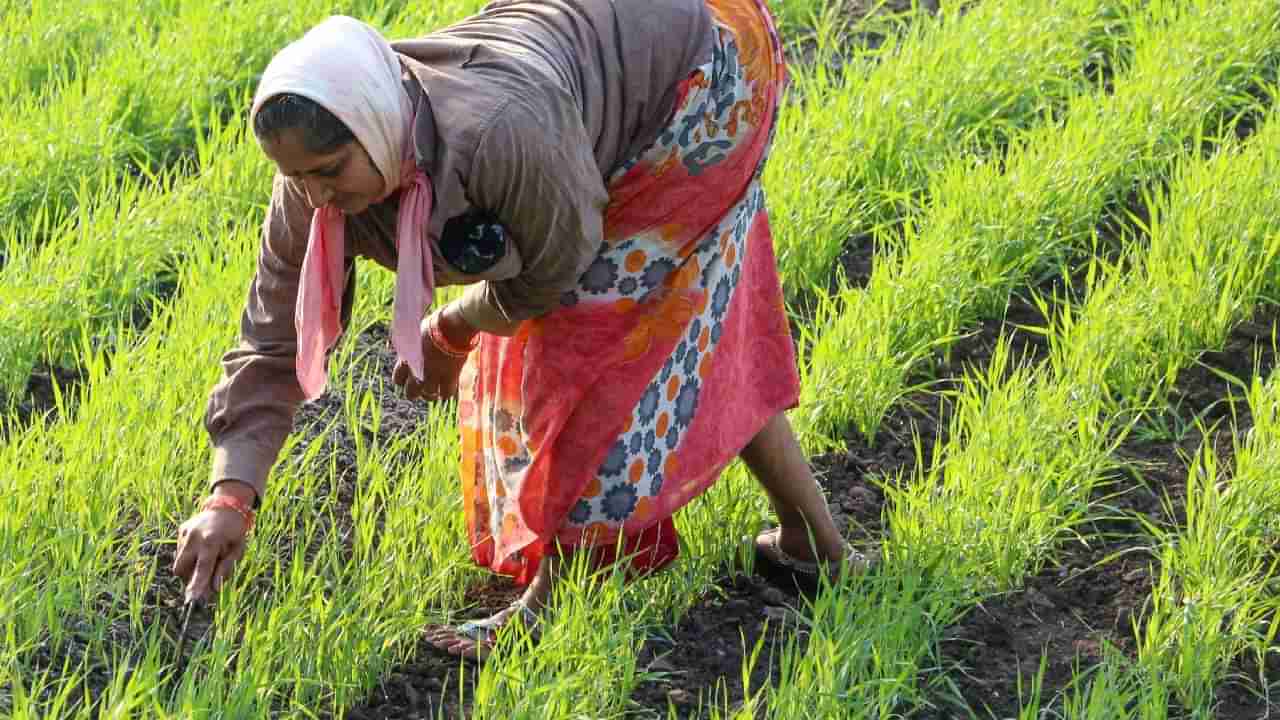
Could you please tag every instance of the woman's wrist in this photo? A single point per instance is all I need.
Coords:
(237, 489)
(458, 335)
(227, 501)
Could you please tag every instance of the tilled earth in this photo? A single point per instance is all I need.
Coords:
(1088, 598)
(1096, 590)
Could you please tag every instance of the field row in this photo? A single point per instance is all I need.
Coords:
(978, 168)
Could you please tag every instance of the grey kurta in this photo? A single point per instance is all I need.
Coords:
(523, 111)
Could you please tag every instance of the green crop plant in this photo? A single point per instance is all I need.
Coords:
(856, 146)
(49, 42)
(135, 112)
(1214, 252)
(1028, 446)
(1214, 597)
(116, 251)
(992, 226)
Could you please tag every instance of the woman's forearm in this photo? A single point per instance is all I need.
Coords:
(459, 331)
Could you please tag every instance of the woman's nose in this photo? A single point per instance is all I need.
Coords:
(317, 193)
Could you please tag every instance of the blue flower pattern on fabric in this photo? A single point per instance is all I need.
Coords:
(670, 400)
(720, 298)
(648, 404)
(687, 403)
(616, 460)
(581, 512)
(656, 272)
(600, 276)
(618, 502)
(706, 155)
(690, 362)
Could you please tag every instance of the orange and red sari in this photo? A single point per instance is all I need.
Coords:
(593, 424)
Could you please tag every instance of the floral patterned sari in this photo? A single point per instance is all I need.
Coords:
(593, 424)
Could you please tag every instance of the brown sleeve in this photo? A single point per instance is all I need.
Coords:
(250, 411)
(535, 169)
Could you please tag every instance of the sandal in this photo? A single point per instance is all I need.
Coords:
(483, 634)
(777, 565)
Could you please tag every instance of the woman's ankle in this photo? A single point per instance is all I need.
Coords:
(538, 593)
(801, 544)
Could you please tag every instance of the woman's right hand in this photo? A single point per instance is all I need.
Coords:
(440, 368)
(211, 543)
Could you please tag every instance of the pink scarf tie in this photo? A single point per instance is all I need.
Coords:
(317, 316)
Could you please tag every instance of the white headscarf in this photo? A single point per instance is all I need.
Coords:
(349, 69)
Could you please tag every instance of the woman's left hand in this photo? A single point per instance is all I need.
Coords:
(440, 369)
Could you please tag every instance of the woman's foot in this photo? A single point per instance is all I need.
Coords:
(797, 544)
(475, 640)
(785, 559)
(779, 464)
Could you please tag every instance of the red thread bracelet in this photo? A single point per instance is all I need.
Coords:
(230, 502)
(442, 343)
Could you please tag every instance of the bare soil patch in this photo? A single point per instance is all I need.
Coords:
(1097, 589)
(40, 395)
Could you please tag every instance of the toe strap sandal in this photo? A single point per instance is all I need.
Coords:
(485, 632)
(778, 566)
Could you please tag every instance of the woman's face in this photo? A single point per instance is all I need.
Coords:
(345, 178)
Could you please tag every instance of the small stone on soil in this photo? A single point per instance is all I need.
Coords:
(863, 495)
(415, 700)
(777, 614)
(1037, 598)
(662, 665)
(680, 696)
(773, 596)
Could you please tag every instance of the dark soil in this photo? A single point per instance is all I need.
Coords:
(700, 665)
(705, 663)
(1096, 589)
(324, 421)
(162, 605)
(1067, 612)
(427, 685)
(39, 399)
